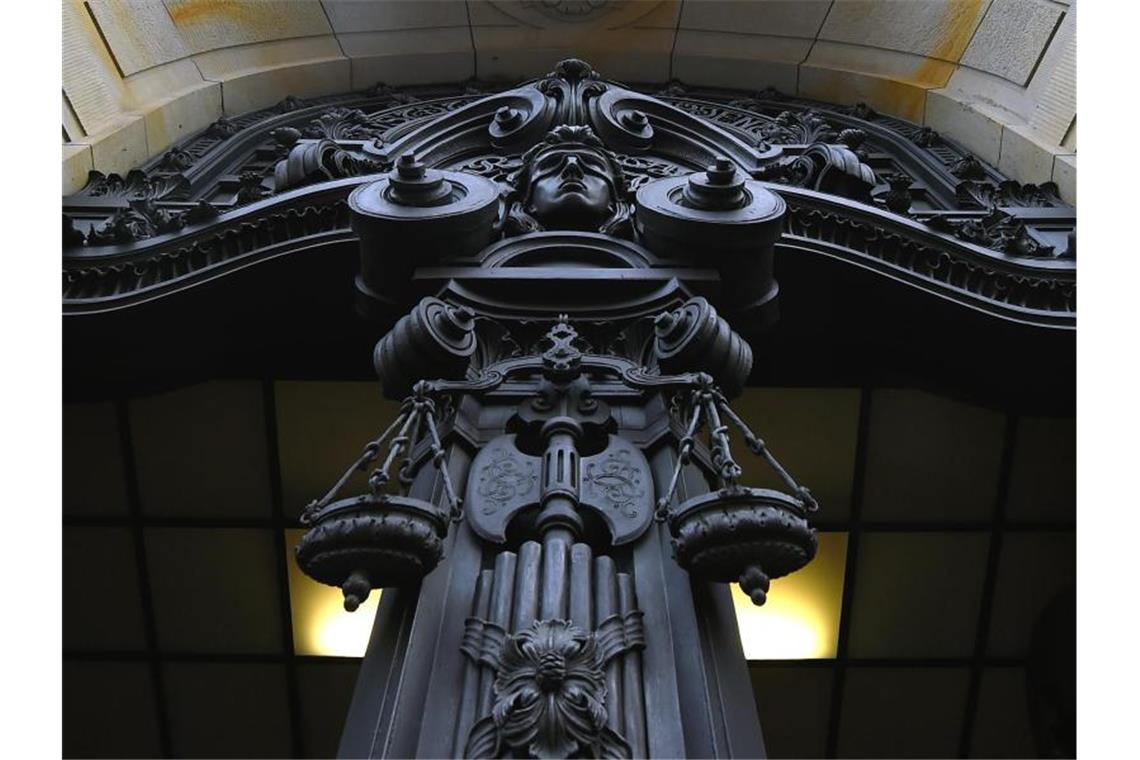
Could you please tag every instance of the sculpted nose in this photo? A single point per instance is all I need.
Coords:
(573, 168)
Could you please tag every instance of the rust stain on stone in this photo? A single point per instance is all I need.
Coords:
(957, 28)
(194, 11)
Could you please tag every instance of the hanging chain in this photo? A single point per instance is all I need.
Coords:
(708, 405)
(417, 413)
(439, 455)
(757, 446)
(727, 468)
(371, 451)
(684, 453)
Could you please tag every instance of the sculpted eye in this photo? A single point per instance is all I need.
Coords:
(595, 163)
(549, 162)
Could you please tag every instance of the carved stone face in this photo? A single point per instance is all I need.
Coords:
(571, 187)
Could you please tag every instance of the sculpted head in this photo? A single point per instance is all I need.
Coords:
(570, 181)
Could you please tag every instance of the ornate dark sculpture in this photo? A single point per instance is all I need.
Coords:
(379, 539)
(550, 691)
(748, 535)
(897, 198)
(987, 195)
(140, 220)
(577, 277)
(175, 160)
(997, 230)
(736, 220)
(694, 338)
(476, 131)
(223, 128)
(434, 340)
(138, 185)
(569, 181)
(319, 161)
(419, 210)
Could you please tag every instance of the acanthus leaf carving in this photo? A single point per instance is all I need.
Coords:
(997, 230)
(550, 688)
(140, 220)
(222, 128)
(987, 195)
(572, 84)
(968, 167)
(137, 185)
(834, 169)
(288, 104)
(342, 124)
(175, 160)
(926, 137)
(251, 188)
(321, 160)
(799, 127)
(860, 111)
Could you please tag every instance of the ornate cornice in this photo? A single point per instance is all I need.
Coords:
(868, 190)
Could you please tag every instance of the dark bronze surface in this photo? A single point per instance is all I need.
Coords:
(577, 277)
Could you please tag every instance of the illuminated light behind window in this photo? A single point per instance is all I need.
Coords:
(321, 626)
(800, 620)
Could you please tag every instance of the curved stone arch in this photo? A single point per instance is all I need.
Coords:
(146, 77)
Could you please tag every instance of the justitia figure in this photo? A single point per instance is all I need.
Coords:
(569, 181)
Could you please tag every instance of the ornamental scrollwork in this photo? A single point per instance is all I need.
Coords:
(801, 127)
(577, 161)
(505, 478)
(642, 169)
(324, 159)
(496, 168)
(618, 480)
(342, 124)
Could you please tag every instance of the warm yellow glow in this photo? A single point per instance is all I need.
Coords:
(800, 620)
(320, 624)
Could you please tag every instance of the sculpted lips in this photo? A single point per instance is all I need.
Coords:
(572, 186)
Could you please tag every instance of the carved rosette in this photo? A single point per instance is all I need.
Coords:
(550, 696)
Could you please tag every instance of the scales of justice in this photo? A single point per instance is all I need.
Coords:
(573, 271)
